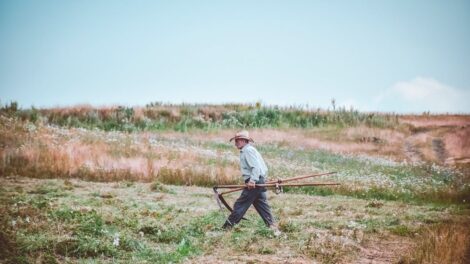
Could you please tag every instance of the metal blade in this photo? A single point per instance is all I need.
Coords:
(216, 196)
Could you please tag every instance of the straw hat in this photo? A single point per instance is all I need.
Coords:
(242, 134)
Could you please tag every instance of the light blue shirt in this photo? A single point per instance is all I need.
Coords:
(252, 164)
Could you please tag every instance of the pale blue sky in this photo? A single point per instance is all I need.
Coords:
(401, 56)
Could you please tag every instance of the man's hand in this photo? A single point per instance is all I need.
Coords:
(251, 184)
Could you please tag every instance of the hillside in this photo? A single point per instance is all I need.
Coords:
(70, 187)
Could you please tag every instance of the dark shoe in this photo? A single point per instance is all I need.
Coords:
(227, 226)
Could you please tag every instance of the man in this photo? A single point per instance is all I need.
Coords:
(254, 171)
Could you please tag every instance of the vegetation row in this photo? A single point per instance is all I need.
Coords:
(183, 117)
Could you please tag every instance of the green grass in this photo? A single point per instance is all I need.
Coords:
(92, 236)
(82, 225)
(402, 230)
(159, 187)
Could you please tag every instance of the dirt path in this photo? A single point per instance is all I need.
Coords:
(439, 149)
(384, 250)
(411, 151)
(448, 136)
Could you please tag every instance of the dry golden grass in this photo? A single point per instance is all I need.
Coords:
(45, 152)
(181, 158)
(442, 244)
(196, 176)
(96, 163)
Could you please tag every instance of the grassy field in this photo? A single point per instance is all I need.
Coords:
(75, 193)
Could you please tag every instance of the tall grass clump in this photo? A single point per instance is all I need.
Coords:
(193, 176)
(442, 243)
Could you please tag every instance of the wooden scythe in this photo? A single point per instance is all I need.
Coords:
(278, 184)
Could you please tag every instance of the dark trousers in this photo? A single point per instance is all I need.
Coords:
(256, 197)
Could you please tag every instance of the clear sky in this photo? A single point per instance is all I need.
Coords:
(400, 56)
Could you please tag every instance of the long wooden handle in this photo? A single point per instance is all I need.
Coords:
(301, 177)
(303, 184)
(237, 188)
(234, 190)
(278, 184)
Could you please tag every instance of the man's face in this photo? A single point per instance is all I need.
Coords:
(240, 143)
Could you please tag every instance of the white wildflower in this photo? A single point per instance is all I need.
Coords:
(182, 243)
(116, 240)
(352, 224)
(31, 127)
